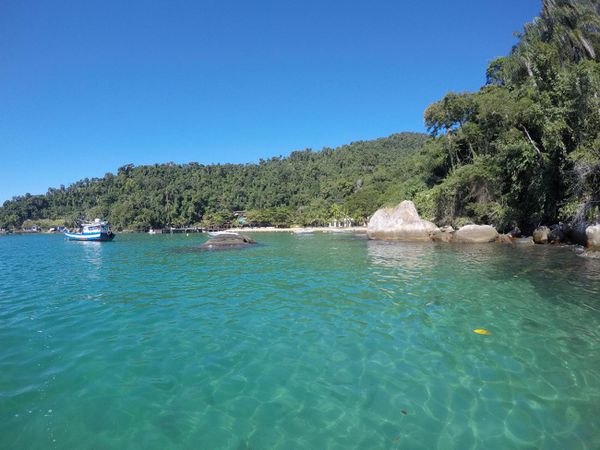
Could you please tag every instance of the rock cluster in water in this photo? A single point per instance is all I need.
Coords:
(582, 234)
(403, 223)
(549, 235)
(227, 241)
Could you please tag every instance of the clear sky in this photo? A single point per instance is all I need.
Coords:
(88, 86)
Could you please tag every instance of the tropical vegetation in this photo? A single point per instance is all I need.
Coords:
(525, 148)
(305, 188)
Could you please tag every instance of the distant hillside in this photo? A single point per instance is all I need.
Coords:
(307, 188)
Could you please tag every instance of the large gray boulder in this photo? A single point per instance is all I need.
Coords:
(593, 236)
(401, 223)
(476, 234)
(227, 241)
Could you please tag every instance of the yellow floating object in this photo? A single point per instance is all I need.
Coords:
(482, 331)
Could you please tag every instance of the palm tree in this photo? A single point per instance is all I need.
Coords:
(573, 25)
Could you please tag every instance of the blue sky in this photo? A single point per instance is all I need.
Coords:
(88, 86)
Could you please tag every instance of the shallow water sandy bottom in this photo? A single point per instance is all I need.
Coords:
(306, 341)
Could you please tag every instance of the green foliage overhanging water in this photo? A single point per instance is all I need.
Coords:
(523, 150)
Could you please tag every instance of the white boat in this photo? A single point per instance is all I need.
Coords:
(153, 231)
(98, 230)
(221, 233)
(303, 231)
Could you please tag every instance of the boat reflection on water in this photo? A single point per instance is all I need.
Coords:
(92, 259)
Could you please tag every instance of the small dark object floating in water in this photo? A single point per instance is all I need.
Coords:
(404, 412)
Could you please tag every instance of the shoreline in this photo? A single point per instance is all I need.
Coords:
(299, 230)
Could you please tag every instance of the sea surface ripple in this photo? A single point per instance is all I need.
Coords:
(305, 341)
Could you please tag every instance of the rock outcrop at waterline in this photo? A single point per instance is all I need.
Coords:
(401, 223)
(444, 234)
(593, 236)
(476, 234)
(541, 235)
(549, 235)
(227, 241)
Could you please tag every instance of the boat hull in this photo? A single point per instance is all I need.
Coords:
(90, 237)
(221, 233)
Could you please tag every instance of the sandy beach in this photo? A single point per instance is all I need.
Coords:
(299, 230)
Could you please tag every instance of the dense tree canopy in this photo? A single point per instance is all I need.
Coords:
(307, 188)
(523, 150)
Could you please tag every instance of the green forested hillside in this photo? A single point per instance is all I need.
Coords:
(524, 150)
(306, 187)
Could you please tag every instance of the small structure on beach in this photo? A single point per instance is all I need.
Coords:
(240, 217)
(344, 222)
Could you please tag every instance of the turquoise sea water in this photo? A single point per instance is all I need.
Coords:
(318, 342)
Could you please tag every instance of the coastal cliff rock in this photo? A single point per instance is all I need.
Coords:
(541, 235)
(227, 241)
(593, 236)
(401, 223)
(476, 234)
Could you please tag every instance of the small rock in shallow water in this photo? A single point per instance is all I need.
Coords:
(444, 234)
(505, 239)
(593, 236)
(225, 241)
(541, 235)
